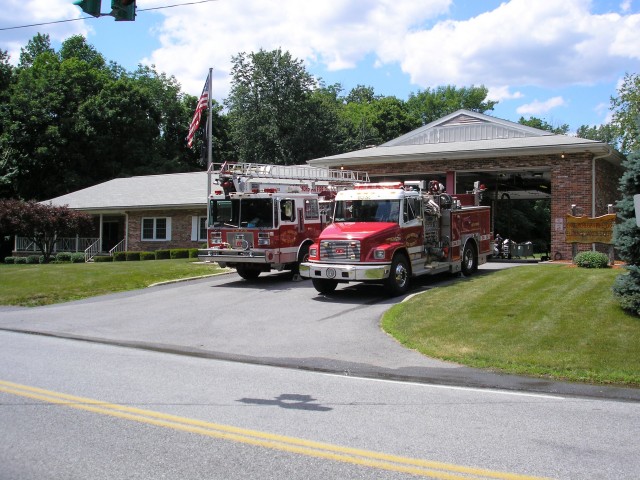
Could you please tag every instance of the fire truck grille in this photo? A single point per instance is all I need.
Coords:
(240, 241)
(340, 250)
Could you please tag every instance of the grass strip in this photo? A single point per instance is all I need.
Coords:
(35, 285)
(553, 321)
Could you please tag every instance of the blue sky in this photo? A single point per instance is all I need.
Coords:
(560, 60)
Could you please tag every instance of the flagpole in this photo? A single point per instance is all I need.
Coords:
(209, 130)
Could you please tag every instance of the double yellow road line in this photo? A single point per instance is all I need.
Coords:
(262, 439)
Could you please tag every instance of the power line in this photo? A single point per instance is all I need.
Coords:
(91, 18)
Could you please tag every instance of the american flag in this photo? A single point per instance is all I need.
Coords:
(203, 104)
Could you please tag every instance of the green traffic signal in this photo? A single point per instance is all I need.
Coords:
(123, 10)
(92, 7)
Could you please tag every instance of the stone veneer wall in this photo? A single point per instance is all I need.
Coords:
(571, 183)
(180, 230)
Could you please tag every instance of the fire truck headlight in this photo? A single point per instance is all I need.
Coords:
(313, 252)
(263, 239)
(379, 254)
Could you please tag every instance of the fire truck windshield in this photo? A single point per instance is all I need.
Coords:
(367, 211)
(244, 212)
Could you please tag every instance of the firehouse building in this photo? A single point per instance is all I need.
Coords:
(514, 162)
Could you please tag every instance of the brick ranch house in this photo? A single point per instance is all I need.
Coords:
(145, 213)
(513, 161)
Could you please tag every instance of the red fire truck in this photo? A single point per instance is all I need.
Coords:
(390, 232)
(263, 217)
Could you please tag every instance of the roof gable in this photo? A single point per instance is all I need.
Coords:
(465, 126)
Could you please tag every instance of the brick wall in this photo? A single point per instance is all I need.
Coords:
(180, 230)
(571, 183)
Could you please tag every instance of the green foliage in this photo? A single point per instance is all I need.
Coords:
(132, 256)
(431, 104)
(272, 111)
(21, 261)
(591, 260)
(41, 223)
(193, 253)
(10, 260)
(33, 259)
(120, 256)
(179, 253)
(541, 124)
(77, 257)
(626, 236)
(63, 257)
(163, 254)
(147, 256)
(70, 120)
(626, 113)
(602, 133)
(626, 289)
(103, 258)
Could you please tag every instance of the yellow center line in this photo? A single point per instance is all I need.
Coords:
(311, 448)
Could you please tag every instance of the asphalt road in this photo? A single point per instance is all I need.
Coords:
(79, 410)
(272, 321)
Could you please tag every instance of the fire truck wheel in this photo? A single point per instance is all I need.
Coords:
(324, 286)
(469, 259)
(399, 277)
(248, 273)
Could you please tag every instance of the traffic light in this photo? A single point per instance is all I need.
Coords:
(123, 10)
(92, 7)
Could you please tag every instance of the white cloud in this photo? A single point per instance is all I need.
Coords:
(537, 107)
(335, 33)
(16, 13)
(501, 93)
(524, 43)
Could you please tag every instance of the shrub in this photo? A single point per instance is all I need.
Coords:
(10, 260)
(133, 256)
(193, 253)
(21, 260)
(163, 254)
(626, 288)
(103, 258)
(591, 260)
(119, 256)
(77, 257)
(63, 257)
(147, 256)
(33, 259)
(179, 253)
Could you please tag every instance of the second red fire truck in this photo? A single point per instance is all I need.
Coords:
(390, 232)
(265, 217)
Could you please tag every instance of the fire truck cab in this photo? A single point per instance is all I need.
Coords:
(264, 217)
(390, 232)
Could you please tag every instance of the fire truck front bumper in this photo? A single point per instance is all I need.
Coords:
(231, 257)
(345, 273)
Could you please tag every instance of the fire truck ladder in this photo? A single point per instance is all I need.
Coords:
(291, 172)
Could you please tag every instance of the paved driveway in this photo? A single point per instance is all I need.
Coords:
(271, 321)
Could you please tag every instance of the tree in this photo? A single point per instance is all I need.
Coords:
(43, 224)
(429, 105)
(626, 236)
(626, 111)
(606, 133)
(541, 124)
(272, 110)
(38, 45)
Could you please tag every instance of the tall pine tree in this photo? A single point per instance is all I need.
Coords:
(627, 236)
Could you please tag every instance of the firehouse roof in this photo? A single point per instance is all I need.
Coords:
(177, 190)
(466, 135)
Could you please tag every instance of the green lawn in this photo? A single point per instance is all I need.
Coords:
(553, 321)
(32, 285)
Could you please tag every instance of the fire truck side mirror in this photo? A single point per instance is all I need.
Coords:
(287, 210)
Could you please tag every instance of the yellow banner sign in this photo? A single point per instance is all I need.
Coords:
(590, 230)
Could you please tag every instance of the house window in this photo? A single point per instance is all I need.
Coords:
(202, 231)
(156, 228)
